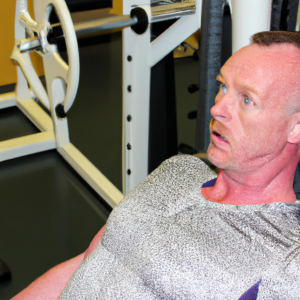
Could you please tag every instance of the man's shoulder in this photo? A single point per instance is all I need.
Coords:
(178, 175)
(182, 169)
(169, 188)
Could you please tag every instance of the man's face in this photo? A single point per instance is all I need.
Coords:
(251, 115)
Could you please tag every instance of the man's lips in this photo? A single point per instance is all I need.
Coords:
(219, 136)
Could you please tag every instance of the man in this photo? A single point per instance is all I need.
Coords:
(182, 234)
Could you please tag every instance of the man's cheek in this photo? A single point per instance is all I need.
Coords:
(247, 148)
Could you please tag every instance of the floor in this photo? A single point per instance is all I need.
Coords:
(48, 214)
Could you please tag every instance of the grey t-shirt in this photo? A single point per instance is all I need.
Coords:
(165, 241)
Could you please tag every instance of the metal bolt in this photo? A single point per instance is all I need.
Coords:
(60, 111)
(129, 118)
(129, 146)
(129, 88)
(129, 58)
(128, 171)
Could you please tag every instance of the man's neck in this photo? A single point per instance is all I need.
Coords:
(270, 183)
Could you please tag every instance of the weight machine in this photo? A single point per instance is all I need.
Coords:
(62, 82)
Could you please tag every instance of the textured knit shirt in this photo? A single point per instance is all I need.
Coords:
(165, 241)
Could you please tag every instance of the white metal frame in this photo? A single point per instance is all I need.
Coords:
(243, 27)
(54, 131)
(136, 73)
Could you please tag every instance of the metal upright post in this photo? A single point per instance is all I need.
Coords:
(139, 55)
(276, 14)
(136, 101)
(242, 29)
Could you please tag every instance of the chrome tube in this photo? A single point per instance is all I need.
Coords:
(93, 27)
(23, 7)
(159, 13)
(172, 11)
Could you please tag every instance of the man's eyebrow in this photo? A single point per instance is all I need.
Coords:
(249, 88)
(243, 86)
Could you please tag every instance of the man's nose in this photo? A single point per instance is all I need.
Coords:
(221, 111)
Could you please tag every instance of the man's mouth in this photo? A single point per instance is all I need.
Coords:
(219, 135)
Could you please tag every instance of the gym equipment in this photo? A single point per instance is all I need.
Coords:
(139, 55)
(62, 81)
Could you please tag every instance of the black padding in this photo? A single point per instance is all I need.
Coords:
(226, 35)
(276, 14)
(292, 21)
(142, 18)
(83, 5)
(60, 111)
(284, 15)
(210, 64)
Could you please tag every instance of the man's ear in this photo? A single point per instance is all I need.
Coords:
(294, 136)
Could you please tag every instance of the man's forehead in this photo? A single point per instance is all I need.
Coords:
(263, 65)
(267, 56)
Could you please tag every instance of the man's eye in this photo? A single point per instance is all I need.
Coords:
(223, 87)
(246, 100)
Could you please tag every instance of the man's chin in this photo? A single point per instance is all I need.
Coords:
(218, 158)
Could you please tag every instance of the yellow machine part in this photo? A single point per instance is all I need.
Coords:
(193, 40)
(117, 8)
(8, 72)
